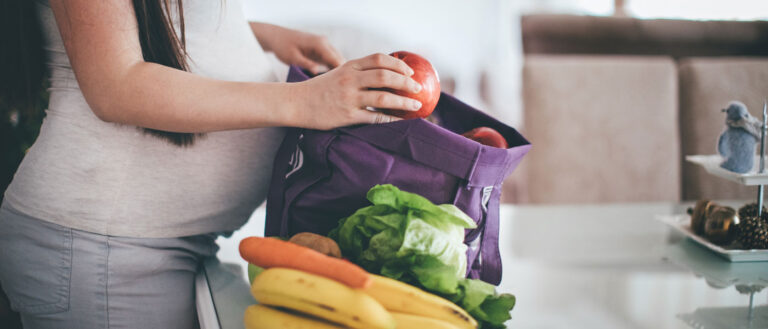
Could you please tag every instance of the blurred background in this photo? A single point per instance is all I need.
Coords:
(612, 93)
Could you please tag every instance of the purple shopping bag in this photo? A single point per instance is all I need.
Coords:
(320, 177)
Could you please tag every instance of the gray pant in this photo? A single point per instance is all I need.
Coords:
(57, 277)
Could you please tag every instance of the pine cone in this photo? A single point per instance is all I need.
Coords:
(753, 233)
(750, 210)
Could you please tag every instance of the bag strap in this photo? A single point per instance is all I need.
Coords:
(490, 257)
(490, 266)
(276, 197)
(483, 256)
(314, 170)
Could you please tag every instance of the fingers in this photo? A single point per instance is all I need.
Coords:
(381, 61)
(318, 55)
(339, 55)
(308, 64)
(388, 100)
(388, 79)
(328, 54)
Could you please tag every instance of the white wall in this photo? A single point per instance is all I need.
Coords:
(703, 9)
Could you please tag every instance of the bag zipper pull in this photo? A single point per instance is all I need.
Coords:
(297, 158)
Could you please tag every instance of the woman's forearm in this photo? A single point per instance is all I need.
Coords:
(101, 39)
(154, 96)
(102, 45)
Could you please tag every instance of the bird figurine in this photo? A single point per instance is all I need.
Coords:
(737, 142)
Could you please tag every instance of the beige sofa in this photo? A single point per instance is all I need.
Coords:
(612, 106)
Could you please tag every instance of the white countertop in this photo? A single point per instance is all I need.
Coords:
(577, 266)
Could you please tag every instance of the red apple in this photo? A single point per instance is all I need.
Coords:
(487, 136)
(425, 75)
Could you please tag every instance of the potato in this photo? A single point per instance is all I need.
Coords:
(317, 242)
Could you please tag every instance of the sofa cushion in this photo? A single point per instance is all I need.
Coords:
(707, 85)
(603, 129)
(571, 34)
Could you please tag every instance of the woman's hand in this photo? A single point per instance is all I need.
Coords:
(343, 96)
(310, 51)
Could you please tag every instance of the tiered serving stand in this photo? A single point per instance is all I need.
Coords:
(747, 270)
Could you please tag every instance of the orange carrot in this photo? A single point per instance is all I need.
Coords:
(269, 252)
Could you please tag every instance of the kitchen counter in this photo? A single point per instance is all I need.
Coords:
(572, 266)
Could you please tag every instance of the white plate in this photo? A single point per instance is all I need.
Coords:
(682, 224)
(711, 164)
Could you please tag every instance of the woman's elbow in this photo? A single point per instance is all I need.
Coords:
(104, 111)
(107, 94)
(103, 103)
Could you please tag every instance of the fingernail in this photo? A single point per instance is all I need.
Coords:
(410, 72)
(415, 104)
(416, 87)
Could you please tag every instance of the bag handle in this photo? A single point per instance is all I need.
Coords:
(273, 224)
(490, 256)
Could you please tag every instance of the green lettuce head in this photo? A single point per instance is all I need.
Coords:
(406, 237)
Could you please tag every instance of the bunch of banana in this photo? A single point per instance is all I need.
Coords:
(414, 308)
(295, 299)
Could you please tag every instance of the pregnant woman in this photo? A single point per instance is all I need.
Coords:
(160, 131)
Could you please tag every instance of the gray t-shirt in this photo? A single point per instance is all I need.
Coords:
(114, 179)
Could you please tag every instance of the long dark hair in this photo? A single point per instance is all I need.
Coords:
(22, 61)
